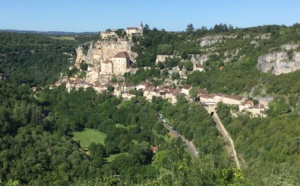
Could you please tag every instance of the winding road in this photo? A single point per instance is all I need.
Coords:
(226, 136)
(192, 149)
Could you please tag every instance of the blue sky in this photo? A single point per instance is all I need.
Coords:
(171, 15)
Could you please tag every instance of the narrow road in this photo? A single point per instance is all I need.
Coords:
(224, 133)
(192, 149)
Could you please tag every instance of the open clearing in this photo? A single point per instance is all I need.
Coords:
(113, 156)
(64, 38)
(89, 136)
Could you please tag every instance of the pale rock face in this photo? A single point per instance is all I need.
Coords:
(199, 59)
(279, 62)
(260, 37)
(80, 57)
(263, 36)
(162, 58)
(210, 40)
(98, 53)
(103, 50)
(289, 47)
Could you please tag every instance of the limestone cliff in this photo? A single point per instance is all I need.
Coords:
(199, 59)
(102, 50)
(210, 40)
(277, 63)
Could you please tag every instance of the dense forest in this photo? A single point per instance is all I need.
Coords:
(37, 145)
(37, 60)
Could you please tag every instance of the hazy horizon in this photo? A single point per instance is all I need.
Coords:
(95, 16)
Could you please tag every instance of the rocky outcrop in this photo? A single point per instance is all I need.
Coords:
(256, 39)
(289, 47)
(210, 40)
(102, 50)
(279, 62)
(199, 59)
(163, 58)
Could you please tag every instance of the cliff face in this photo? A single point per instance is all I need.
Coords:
(102, 50)
(280, 62)
(210, 40)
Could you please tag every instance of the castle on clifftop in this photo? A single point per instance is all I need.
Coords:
(130, 31)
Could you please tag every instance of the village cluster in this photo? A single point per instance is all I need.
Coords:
(123, 90)
(110, 58)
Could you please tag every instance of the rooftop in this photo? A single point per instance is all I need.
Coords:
(122, 55)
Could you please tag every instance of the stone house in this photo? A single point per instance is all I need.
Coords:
(246, 105)
(92, 74)
(229, 99)
(106, 67)
(149, 93)
(105, 35)
(199, 68)
(172, 94)
(185, 89)
(97, 86)
(117, 91)
(127, 86)
(143, 85)
(257, 110)
(127, 95)
(70, 85)
(207, 99)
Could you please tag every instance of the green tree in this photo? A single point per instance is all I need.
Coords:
(110, 88)
(84, 66)
(188, 65)
(175, 75)
(193, 93)
(190, 28)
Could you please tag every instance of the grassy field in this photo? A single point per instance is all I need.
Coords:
(64, 38)
(89, 136)
(112, 157)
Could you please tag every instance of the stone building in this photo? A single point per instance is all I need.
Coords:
(107, 67)
(121, 62)
(134, 31)
(118, 65)
(109, 34)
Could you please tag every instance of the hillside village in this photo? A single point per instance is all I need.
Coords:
(253, 72)
(111, 57)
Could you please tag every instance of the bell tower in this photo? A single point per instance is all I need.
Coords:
(141, 28)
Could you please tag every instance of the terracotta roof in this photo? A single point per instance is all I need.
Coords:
(132, 28)
(249, 102)
(128, 84)
(154, 149)
(207, 96)
(57, 82)
(122, 55)
(201, 91)
(97, 84)
(235, 97)
(186, 87)
(259, 106)
(106, 60)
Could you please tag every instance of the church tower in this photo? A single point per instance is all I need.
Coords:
(142, 28)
